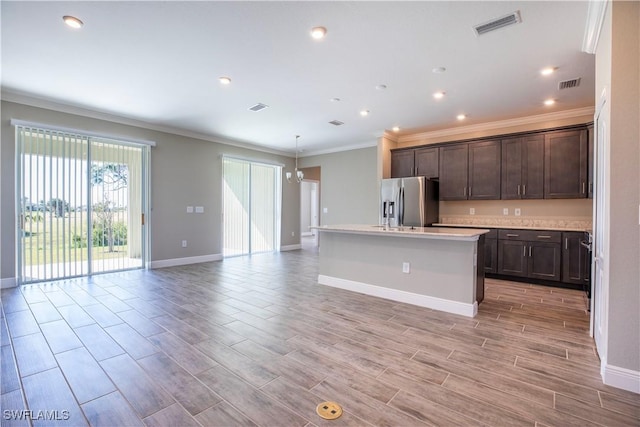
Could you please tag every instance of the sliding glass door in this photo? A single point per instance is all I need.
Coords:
(251, 207)
(80, 204)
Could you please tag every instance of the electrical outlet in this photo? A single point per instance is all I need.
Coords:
(516, 211)
(293, 233)
(505, 211)
(472, 211)
(325, 210)
(189, 209)
(406, 267)
(184, 243)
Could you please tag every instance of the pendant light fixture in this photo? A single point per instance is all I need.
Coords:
(299, 173)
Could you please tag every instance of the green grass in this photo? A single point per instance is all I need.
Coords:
(46, 234)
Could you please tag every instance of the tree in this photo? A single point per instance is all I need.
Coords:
(58, 206)
(111, 177)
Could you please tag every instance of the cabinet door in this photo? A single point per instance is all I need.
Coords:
(533, 167)
(574, 258)
(453, 172)
(426, 162)
(484, 170)
(491, 256)
(543, 260)
(401, 163)
(512, 168)
(512, 258)
(565, 164)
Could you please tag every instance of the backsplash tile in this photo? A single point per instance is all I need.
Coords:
(543, 223)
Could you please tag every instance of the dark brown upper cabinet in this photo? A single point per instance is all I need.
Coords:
(401, 163)
(470, 171)
(565, 155)
(426, 162)
(454, 171)
(484, 170)
(523, 167)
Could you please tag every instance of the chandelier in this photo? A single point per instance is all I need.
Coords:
(299, 173)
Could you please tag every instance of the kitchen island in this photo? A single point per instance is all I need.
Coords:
(438, 268)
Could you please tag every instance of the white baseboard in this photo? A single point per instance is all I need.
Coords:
(290, 247)
(9, 282)
(623, 378)
(455, 307)
(185, 261)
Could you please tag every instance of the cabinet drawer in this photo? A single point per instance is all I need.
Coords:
(531, 235)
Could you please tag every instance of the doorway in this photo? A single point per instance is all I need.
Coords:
(80, 203)
(309, 212)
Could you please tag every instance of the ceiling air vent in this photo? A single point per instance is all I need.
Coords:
(568, 84)
(494, 24)
(258, 107)
(336, 122)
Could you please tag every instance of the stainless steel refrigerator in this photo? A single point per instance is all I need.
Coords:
(408, 202)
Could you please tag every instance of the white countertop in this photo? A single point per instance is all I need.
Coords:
(514, 227)
(468, 234)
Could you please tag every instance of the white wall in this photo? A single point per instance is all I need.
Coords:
(350, 186)
(618, 72)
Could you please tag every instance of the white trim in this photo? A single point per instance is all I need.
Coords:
(44, 126)
(593, 26)
(290, 248)
(623, 378)
(9, 282)
(449, 306)
(252, 160)
(340, 149)
(497, 125)
(185, 261)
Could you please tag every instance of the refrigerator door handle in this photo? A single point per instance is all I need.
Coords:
(401, 208)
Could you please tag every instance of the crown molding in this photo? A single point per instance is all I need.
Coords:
(497, 125)
(593, 26)
(99, 115)
(339, 149)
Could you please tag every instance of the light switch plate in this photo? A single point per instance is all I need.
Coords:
(325, 210)
(199, 209)
(189, 209)
(406, 267)
(505, 211)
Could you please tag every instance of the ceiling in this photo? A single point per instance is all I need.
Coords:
(159, 63)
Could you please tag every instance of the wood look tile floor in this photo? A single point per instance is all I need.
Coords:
(256, 341)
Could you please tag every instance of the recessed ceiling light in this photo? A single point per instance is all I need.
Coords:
(395, 129)
(335, 100)
(381, 87)
(549, 102)
(364, 113)
(438, 70)
(438, 95)
(224, 80)
(461, 116)
(548, 71)
(72, 21)
(318, 32)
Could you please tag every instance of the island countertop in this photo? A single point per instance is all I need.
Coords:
(443, 233)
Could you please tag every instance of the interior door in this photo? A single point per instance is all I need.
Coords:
(599, 278)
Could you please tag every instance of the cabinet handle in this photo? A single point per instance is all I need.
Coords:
(512, 235)
(524, 251)
(464, 191)
(544, 237)
(469, 191)
(529, 251)
(518, 189)
(583, 187)
(524, 189)
(591, 187)
(566, 243)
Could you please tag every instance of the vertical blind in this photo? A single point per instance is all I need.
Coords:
(79, 204)
(251, 207)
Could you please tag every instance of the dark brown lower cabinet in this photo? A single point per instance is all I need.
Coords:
(530, 253)
(491, 252)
